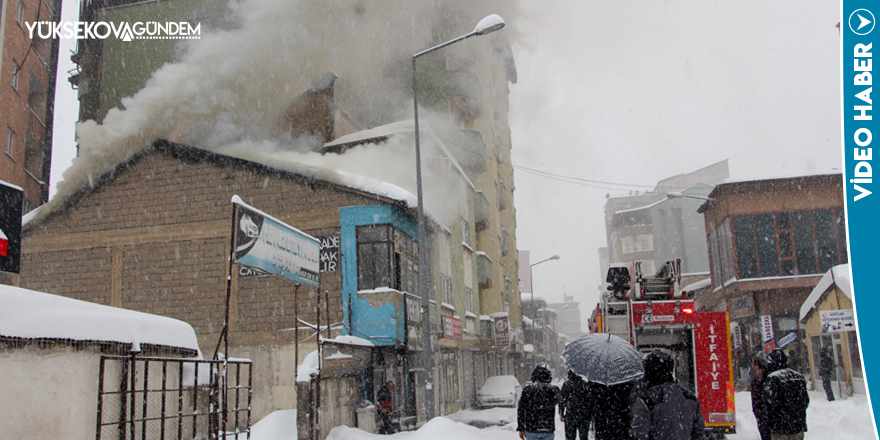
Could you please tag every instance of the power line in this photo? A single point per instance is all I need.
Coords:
(581, 181)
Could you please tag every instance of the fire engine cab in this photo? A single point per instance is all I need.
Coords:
(655, 314)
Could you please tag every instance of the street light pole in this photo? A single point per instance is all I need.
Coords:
(488, 24)
(532, 289)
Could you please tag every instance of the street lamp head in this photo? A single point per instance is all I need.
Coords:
(489, 24)
(555, 257)
(674, 195)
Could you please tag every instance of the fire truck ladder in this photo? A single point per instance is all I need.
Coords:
(618, 318)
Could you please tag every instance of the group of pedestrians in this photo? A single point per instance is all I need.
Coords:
(658, 408)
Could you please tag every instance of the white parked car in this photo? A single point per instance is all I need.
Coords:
(499, 391)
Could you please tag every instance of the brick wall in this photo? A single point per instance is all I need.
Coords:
(156, 238)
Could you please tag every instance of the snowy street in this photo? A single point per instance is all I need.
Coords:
(848, 419)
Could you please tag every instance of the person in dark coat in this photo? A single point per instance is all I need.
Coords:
(386, 405)
(575, 406)
(665, 410)
(537, 406)
(785, 403)
(826, 369)
(612, 409)
(759, 373)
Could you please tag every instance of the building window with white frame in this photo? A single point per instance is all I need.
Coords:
(10, 139)
(446, 289)
(468, 299)
(465, 232)
(14, 80)
(19, 14)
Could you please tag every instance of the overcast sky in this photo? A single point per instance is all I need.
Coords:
(631, 93)
(634, 92)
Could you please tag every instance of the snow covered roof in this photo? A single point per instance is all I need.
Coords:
(349, 340)
(373, 134)
(837, 275)
(297, 164)
(702, 284)
(639, 208)
(29, 314)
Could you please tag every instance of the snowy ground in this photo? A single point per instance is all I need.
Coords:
(848, 419)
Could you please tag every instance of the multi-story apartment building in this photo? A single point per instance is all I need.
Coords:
(27, 93)
(652, 228)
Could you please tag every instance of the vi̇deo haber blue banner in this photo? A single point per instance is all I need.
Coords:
(859, 36)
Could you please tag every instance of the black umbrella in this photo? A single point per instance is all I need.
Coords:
(604, 358)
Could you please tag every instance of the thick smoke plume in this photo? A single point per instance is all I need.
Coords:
(227, 90)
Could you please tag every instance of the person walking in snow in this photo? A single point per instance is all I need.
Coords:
(612, 409)
(785, 403)
(575, 407)
(386, 404)
(826, 368)
(665, 410)
(759, 374)
(537, 406)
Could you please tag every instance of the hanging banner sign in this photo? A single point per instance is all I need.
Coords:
(767, 333)
(502, 331)
(737, 335)
(788, 339)
(262, 242)
(10, 227)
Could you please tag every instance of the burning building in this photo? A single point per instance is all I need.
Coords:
(302, 110)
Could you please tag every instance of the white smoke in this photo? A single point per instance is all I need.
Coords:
(226, 91)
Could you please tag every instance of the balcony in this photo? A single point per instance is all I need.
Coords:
(484, 270)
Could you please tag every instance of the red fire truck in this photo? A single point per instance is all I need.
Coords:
(655, 314)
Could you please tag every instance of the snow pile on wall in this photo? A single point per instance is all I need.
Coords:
(29, 314)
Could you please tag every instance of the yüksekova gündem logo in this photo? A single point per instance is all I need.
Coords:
(125, 31)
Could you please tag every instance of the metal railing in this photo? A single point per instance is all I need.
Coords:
(173, 398)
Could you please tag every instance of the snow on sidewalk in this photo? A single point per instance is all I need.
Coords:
(843, 419)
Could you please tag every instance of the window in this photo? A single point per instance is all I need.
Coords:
(446, 289)
(386, 258)
(374, 257)
(505, 243)
(465, 232)
(787, 244)
(14, 80)
(10, 138)
(468, 299)
(19, 13)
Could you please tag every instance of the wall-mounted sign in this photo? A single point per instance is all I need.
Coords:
(835, 321)
(245, 272)
(10, 227)
(329, 253)
(270, 245)
(451, 327)
(742, 306)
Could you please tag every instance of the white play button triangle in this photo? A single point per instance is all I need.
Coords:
(864, 21)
